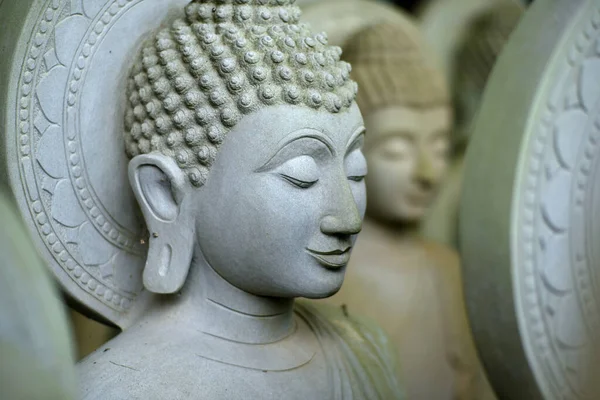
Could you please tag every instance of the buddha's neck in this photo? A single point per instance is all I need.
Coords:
(215, 307)
(400, 230)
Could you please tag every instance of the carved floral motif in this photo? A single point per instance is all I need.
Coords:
(556, 240)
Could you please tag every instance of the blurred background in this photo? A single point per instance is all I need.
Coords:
(414, 5)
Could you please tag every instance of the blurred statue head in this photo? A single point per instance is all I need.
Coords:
(246, 150)
(406, 105)
(475, 56)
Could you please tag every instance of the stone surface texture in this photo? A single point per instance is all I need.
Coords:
(529, 229)
(186, 172)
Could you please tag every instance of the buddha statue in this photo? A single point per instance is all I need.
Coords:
(410, 286)
(482, 42)
(245, 145)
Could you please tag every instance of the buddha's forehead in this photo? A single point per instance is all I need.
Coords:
(268, 128)
(406, 120)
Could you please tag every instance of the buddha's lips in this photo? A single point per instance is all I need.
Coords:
(419, 199)
(333, 259)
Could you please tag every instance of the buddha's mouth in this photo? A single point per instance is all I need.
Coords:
(419, 199)
(334, 259)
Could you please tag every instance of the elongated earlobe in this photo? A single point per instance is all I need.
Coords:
(159, 186)
(169, 257)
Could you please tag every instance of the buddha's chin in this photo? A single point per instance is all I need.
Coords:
(322, 295)
(409, 213)
(322, 283)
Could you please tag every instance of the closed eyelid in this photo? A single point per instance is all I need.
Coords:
(403, 135)
(438, 135)
(383, 138)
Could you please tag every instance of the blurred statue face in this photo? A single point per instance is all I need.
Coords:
(406, 150)
(284, 201)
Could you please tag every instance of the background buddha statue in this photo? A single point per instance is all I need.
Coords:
(245, 146)
(410, 286)
(36, 360)
(475, 57)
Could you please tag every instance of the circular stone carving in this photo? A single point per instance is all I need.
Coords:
(530, 211)
(64, 148)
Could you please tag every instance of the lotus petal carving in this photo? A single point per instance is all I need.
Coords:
(588, 82)
(557, 272)
(92, 7)
(570, 331)
(99, 251)
(555, 204)
(69, 213)
(124, 277)
(67, 37)
(51, 153)
(568, 130)
(51, 93)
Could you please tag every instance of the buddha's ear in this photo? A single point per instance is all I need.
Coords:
(161, 189)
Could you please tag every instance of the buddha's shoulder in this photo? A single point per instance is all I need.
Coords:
(348, 326)
(440, 255)
(358, 340)
(144, 368)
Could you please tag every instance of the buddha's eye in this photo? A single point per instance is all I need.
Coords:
(440, 147)
(356, 178)
(356, 166)
(396, 148)
(298, 182)
(301, 172)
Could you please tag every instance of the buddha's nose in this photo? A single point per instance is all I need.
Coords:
(344, 218)
(424, 170)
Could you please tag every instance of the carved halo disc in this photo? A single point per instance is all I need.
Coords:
(62, 130)
(530, 223)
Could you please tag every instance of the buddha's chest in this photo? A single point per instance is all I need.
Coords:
(193, 376)
(309, 381)
(404, 284)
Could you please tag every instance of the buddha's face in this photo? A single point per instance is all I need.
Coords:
(406, 151)
(284, 201)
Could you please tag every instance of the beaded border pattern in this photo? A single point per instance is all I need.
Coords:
(120, 301)
(537, 326)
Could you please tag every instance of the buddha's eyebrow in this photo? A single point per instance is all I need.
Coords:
(356, 140)
(298, 143)
(307, 133)
(382, 137)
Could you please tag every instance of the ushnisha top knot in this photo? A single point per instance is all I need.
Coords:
(192, 82)
(392, 69)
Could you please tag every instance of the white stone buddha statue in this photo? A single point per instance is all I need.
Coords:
(245, 146)
(410, 286)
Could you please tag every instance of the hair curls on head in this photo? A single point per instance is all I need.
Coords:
(392, 67)
(192, 82)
